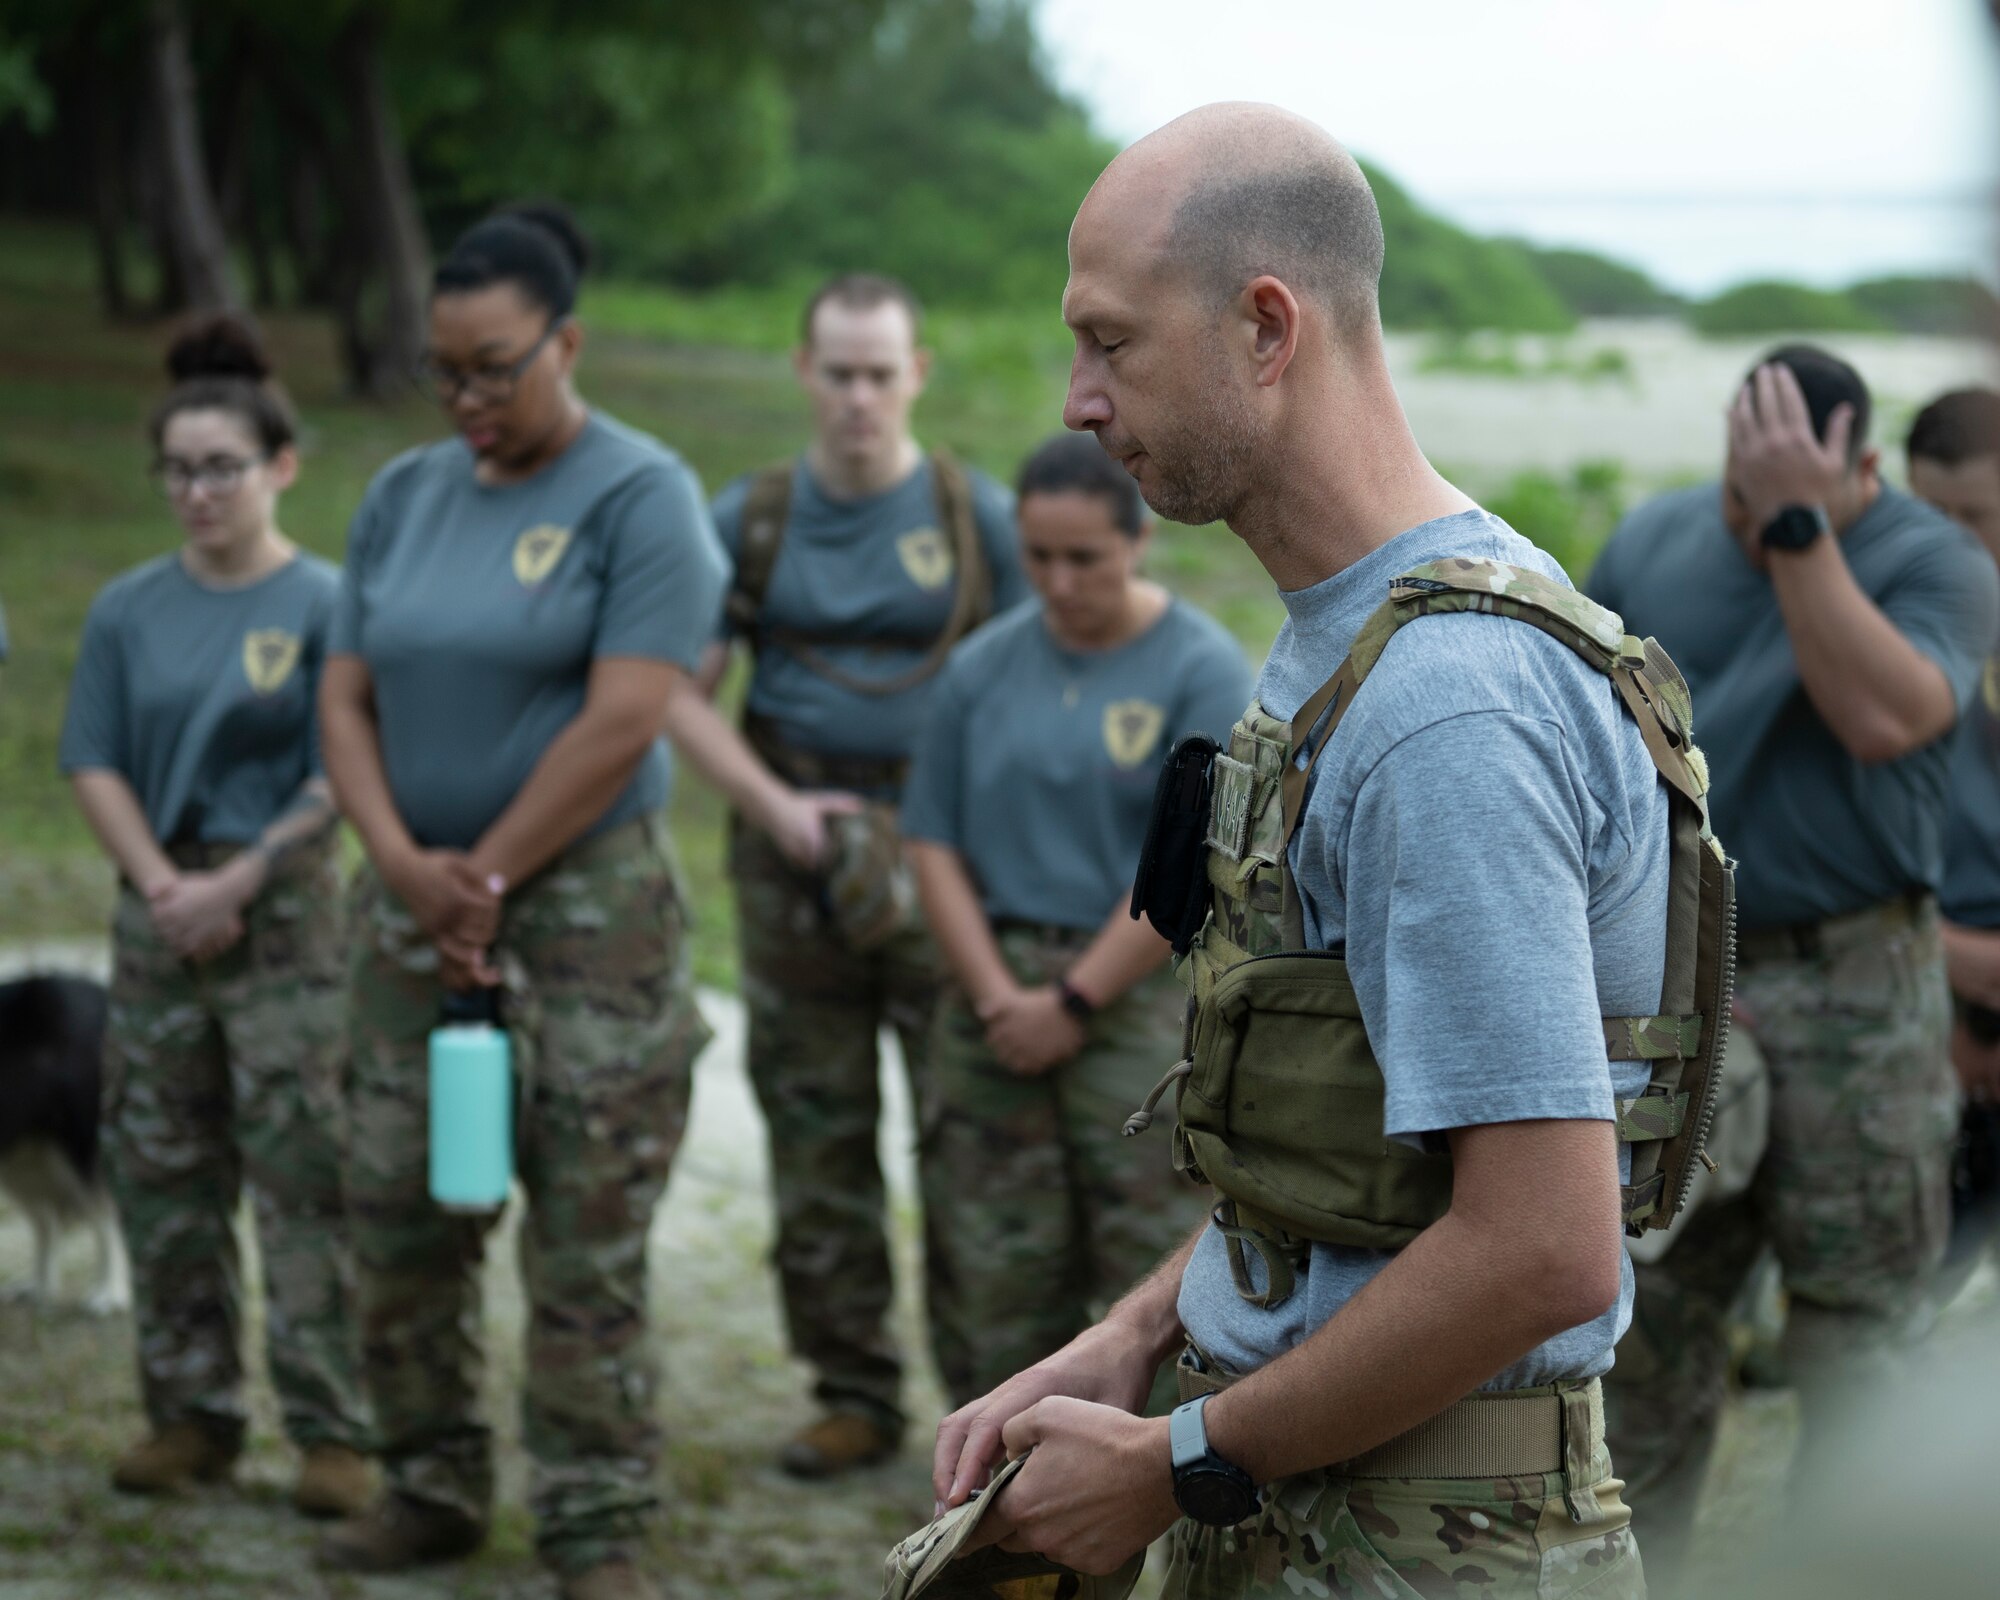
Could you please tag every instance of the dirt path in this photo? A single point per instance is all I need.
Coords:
(736, 1528)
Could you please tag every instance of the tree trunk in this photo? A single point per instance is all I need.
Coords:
(386, 221)
(193, 230)
(107, 197)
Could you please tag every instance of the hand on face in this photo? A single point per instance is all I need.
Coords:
(1030, 1031)
(1775, 459)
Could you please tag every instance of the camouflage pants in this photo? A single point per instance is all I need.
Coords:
(217, 1074)
(815, 1008)
(1045, 1212)
(1323, 1534)
(1853, 1193)
(605, 1030)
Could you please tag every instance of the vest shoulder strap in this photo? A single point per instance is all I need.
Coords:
(767, 508)
(766, 511)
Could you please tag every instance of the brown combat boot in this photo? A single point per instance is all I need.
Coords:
(398, 1533)
(609, 1580)
(180, 1454)
(839, 1442)
(334, 1481)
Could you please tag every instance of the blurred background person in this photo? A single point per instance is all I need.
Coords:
(1954, 463)
(1026, 808)
(191, 743)
(519, 606)
(1832, 630)
(856, 566)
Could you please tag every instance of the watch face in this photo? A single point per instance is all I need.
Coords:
(1217, 1499)
(1793, 528)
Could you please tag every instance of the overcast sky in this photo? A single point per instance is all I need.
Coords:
(1709, 140)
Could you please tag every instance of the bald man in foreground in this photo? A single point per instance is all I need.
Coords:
(1392, 1384)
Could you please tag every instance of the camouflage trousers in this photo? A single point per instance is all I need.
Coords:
(1044, 1211)
(1543, 1536)
(605, 1030)
(815, 1009)
(217, 1075)
(1853, 1193)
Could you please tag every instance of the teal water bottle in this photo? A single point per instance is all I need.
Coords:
(472, 1104)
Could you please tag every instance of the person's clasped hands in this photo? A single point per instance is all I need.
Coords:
(200, 914)
(457, 903)
(1029, 1030)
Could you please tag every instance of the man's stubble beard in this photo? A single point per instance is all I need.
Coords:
(1202, 460)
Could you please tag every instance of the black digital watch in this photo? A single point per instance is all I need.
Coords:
(1208, 1489)
(1795, 527)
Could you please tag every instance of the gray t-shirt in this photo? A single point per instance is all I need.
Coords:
(1037, 763)
(877, 571)
(1488, 838)
(479, 612)
(1971, 890)
(1817, 832)
(203, 699)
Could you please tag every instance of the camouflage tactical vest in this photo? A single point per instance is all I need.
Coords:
(1281, 1102)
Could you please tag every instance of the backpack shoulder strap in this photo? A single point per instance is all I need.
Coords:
(767, 508)
(958, 515)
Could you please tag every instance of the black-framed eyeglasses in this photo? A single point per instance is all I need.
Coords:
(493, 384)
(219, 476)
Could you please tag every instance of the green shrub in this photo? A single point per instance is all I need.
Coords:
(1772, 306)
(1929, 305)
(1592, 285)
(1571, 516)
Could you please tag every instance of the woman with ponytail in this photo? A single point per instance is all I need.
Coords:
(192, 746)
(522, 607)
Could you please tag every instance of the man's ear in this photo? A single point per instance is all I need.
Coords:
(1270, 312)
(921, 361)
(802, 359)
(1868, 465)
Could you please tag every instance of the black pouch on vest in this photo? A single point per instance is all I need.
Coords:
(1171, 888)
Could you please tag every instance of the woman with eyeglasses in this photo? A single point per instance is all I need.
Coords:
(191, 744)
(523, 606)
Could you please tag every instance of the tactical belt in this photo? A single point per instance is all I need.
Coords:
(1509, 1433)
(1811, 941)
(880, 777)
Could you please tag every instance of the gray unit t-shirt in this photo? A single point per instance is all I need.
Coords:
(1818, 833)
(877, 571)
(203, 699)
(1488, 838)
(1970, 893)
(480, 610)
(1037, 763)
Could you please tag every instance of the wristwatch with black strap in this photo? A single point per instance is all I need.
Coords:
(1208, 1489)
(1795, 527)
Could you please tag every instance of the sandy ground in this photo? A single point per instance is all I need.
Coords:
(735, 1526)
(1662, 422)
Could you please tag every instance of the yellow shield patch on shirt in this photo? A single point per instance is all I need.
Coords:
(1989, 686)
(926, 557)
(1131, 728)
(269, 657)
(537, 551)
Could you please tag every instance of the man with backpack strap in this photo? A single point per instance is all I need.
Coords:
(857, 566)
(1457, 947)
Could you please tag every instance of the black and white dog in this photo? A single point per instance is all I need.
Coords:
(51, 1045)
